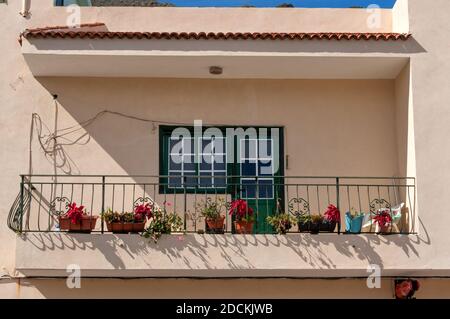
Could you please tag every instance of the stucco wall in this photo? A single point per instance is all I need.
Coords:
(21, 94)
(214, 288)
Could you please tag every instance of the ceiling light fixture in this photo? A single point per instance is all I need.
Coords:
(216, 70)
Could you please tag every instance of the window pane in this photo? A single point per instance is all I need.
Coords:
(265, 188)
(190, 180)
(175, 179)
(265, 148)
(175, 146)
(175, 162)
(219, 145)
(188, 163)
(248, 149)
(205, 181)
(188, 146)
(205, 163)
(265, 167)
(219, 163)
(248, 168)
(206, 146)
(220, 180)
(248, 189)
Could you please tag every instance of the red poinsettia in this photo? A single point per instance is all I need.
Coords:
(240, 209)
(383, 218)
(75, 213)
(332, 214)
(142, 211)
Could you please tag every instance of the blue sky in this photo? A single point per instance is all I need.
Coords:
(273, 3)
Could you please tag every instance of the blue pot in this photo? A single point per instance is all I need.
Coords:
(353, 225)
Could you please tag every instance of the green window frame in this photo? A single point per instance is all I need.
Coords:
(207, 177)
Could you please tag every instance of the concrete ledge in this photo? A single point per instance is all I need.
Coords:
(194, 255)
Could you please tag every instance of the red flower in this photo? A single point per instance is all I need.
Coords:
(239, 208)
(75, 213)
(332, 214)
(383, 218)
(142, 211)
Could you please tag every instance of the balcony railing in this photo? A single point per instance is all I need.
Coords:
(43, 198)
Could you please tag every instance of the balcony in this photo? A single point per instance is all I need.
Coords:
(43, 199)
(43, 248)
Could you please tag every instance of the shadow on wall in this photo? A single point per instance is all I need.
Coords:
(410, 46)
(82, 98)
(226, 252)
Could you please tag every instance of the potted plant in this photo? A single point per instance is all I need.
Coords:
(125, 222)
(353, 221)
(243, 215)
(383, 220)
(76, 219)
(212, 211)
(331, 217)
(140, 216)
(281, 223)
(316, 223)
(162, 222)
(304, 222)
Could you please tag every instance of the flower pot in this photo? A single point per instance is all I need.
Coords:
(304, 227)
(121, 228)
(243, 227)
(353, 225)
(85, 225)
(314, 227)
(384, 229)
(327, 226)
(137, 227)
(215, 226)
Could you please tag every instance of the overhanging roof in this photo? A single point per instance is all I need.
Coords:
(92, 50)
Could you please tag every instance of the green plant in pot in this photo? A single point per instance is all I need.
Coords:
(316, 223)
(281, 223)
(304, 222)
(212, 212)
(163, 222)
(127, 222)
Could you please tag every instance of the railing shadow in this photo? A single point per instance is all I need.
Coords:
(232, 252)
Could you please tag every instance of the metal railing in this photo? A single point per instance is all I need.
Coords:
(43, 198)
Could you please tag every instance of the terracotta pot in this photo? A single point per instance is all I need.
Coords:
(119, 227)
(138, 227)
(215, 225)
(243, 227)
(384, 229)
(86, 224)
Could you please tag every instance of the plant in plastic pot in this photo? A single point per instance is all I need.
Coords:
(353, 221)
(316, 223)
(304, 222)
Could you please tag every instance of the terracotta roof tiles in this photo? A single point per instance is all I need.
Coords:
(99, 31)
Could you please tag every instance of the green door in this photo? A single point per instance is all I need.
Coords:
(259, 165)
